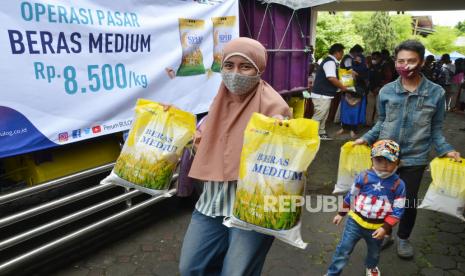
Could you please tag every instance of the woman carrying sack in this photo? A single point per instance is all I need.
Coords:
(353, 102)
(209, 247)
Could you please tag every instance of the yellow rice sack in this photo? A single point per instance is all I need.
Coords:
(191, 34)
(298, 107)
(345, 76)
(272, 175)
(223, 30)
(446, 194)
(153, 148)
(352, 161)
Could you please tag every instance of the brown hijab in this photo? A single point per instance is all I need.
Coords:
(221, 135)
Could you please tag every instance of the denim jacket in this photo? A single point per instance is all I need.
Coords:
(413, 120)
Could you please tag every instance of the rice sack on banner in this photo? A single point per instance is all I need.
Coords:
(153, 148)
(223, 28)
(446, 194)
(352, 161)
(191, 33)
(272, 175)
(346, 78)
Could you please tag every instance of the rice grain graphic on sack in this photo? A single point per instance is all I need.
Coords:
(446, 193)
(153, 148)
(191, 36)
(353, 160)
(272, 175)
(223, 29)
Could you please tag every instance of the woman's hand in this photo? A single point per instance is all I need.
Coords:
(379, 233)
(454, 155)
(278, 117)
(360, 141)
(166, 107)
(337, 219)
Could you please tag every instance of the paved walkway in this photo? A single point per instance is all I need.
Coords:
(153, 246)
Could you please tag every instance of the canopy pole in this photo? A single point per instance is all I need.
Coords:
(287, 29)
(263, 21)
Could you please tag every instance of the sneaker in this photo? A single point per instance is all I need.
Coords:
(325, 137)
(387, 241)
(404, 248)
(373, 272)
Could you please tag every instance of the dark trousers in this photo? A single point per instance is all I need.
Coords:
(412, 176)
(353, 128)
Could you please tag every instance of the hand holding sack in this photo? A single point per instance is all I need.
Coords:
(272, 174)
(446, 194)
(353, 160)
(153, 149)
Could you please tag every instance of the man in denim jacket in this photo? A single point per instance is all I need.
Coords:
(411, 112)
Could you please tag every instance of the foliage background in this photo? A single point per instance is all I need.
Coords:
(375, 31)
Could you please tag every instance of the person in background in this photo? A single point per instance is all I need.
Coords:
(325, 87)
(428, 68)
(388, 66)
(353, 103)
(369, 62)
(411, 112)
(311, 75)
(456, 83)
(374, 85)
(209, 247)
(445, 78)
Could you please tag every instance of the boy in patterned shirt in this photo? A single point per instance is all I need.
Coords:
(375, 203)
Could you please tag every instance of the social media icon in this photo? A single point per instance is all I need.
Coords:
(87, 130)
(63, 137)
(76, 133)
(96, 129)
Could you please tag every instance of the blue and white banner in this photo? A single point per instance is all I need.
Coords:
(73, 70)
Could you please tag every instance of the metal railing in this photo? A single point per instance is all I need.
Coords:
(36, 231)
(55, 183)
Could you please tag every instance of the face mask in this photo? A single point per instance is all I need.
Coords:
(374, 62)
(384, 175)
(408, 72)
(239, 84)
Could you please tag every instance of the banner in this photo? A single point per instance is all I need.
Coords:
(73, 70)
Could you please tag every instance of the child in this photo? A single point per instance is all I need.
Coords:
(376, 203)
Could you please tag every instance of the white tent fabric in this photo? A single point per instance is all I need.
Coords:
(299, 4)
(455, 55)
(428, 52)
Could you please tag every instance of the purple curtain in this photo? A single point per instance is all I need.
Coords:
(285, 70)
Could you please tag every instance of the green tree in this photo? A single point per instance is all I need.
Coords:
(442, 40)
(402, 25)
(461, 27)
(361, 21)
(332, 29)
(380, 33)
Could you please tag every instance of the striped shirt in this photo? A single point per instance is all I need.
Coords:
(217, 198)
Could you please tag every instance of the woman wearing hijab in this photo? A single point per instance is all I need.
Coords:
(209, 247)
